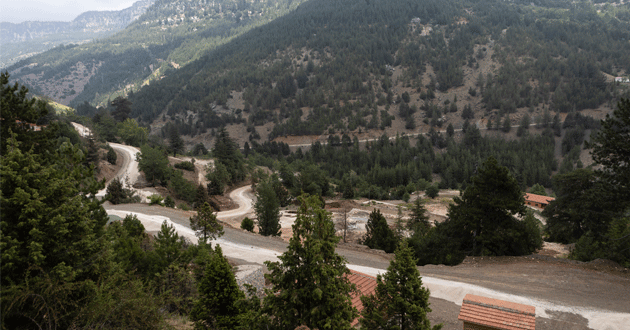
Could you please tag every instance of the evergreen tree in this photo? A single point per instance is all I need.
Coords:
(154, 163)
(419, 222)
(226, 152)
(399, 301)
(310, 285)
(205, 224)
(175, 141)
(378, 234)
(538, 189)
(267, 209)
(168, 245)
(218, 295)
(611, 149)
(219, 177)
(17, 113)
(484, 215)
(122, 108)
(432, 191)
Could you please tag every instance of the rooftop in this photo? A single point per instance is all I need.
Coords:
(497, 314)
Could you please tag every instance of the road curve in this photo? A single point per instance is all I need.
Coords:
(241, 197)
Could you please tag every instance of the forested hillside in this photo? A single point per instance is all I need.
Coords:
(348, 65)
(170, 34)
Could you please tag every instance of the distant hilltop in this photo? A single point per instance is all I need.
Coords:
(22, 40)
(91, 21)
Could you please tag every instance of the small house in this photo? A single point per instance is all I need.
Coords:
(538, 201)
(482, 313)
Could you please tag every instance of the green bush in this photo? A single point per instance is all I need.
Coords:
(188, 166)
(155, 199)
(248, 224)
(183, 207)
(169, 202)
(111, 155)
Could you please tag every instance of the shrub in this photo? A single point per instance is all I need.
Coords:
(155, 199)
(183, 207)
(188, 166)
(248, 224)
(169, 202)
(111, 155)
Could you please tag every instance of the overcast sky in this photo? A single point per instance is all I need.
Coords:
(17, 11)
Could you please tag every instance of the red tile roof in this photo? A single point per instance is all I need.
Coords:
(366, 285)
(538, 198)
(498, 314)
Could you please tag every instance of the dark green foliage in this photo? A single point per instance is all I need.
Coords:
(615, 245)
(482, 221)
(399, 302)
(176, 143)
(309, 284)
(169, 202)
(419, 220)
(267, 209)
(583, 203)
(199, 149)
(18, 112)
(378, 234)
(218, 293)
(205, 224)
(155, 199)
(185, 165)
(538, 189)
(247, 224)
(115, 191)
(219, 177)
(611, 148)
(111, 155)
(201, 197)
(226, 152)
(432, 191)
(169, 246)
(122, 108)
(154, 163)
(182, 188)
(48, 221)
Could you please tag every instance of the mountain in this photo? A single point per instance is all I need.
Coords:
(25, 39)
(276, 69)
(169, 35)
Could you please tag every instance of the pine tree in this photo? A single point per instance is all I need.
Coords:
(175, 141)
(267, 209)
(205, 224)
(400, 301)
(378, 234)
(310, 286)
(122, 108)
(611, 148)
(218, 295)
(419, 222)
(483, 218)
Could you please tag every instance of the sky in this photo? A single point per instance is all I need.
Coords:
(17, 11)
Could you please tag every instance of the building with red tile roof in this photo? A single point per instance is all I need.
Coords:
(366, 285)
(538, 201)
(482, 313)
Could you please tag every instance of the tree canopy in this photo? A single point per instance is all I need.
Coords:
(400, 302)
(309, 284)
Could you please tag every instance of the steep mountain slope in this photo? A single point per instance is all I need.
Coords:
(25, 39)
(171, 33)
(348, 66)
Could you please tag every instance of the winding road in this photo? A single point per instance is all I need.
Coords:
(564, 296)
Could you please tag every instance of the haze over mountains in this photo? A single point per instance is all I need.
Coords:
(21, 40)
